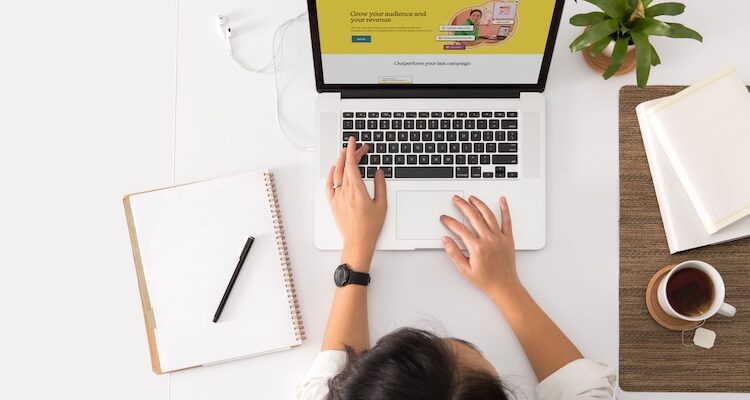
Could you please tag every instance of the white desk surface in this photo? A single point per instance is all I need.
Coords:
(87, 115)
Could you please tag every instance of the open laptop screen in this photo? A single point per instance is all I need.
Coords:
(433, 42)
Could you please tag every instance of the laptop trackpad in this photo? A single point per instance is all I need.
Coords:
(418, 213)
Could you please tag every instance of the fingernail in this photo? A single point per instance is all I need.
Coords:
(445, 240)
(455, 197)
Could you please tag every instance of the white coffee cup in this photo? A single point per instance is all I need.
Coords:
(717, 302)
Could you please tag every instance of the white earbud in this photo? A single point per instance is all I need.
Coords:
(224, 26)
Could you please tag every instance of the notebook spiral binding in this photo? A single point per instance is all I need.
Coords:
(273, 200)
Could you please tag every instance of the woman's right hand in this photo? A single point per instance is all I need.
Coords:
(491, 264)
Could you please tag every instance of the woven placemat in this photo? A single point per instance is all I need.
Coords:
(652, 358)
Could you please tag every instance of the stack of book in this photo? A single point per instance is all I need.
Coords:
(698, 148)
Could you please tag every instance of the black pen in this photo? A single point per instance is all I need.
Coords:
(237, 269)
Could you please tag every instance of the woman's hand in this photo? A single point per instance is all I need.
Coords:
(491, 265)
(359, 218)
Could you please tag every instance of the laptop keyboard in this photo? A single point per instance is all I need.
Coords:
(435, 144)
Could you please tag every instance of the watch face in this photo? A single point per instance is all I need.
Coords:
(341, 276)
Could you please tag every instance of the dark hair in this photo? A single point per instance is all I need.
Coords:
(411, 364)
(475, 10)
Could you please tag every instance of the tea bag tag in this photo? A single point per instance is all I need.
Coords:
(704, 338)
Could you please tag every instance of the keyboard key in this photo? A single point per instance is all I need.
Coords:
(481, 124)
(411, 115)
(372, 124)
(460, 159)
(375, 159)
(380, 148)
(474, 114)
(411, 159)
(433, 124)
(387, 172)
(488, 175)
(513, 136)
(424, 172)
(362, 172)
(462, 172)
(400, 159)
(512, 174)
(424, 114)
(445, 124)
(476, 136)
(436, 114)
(491, 147)
(486, 114)
(366, 136)
(370, 148)
(414, 136)
(436, 159)
(429, 147)
(385, 124)
(439, 136)
(449, 114)
(512, 114)
(408, 124)
(479, 147)
(373, 114)
(454, 147)
(458, 124)
(371, 172)
(494, 124)
(507, 147)
(360, 124)
(509, 124)
(451, 136)
(387, 159)
(424, 159)
(473, 159)
(476, 172)
(505, 159)
(348, 134)
(499, 136)
(364, 160)
(466, 147)
(462, 114)
(385, 114)
(442, 147)
(393, 147)
(348, 124)
(463, 136)
(448, 159)
(426, 136)
(484, 159)
(360, 114)
(418, 148)
(469, 124)
(378, 136)
(499, 114)
(390, 136)
(499, 172)
(398, 114)
(397, 124)
(405, 148)
(421, 124)
(487, 136)
(403, 136)
(348, 115)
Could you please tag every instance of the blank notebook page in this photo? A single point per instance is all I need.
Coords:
(190, 240)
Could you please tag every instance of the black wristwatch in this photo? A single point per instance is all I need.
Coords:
(344, 276)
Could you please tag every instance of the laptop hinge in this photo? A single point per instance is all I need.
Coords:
(430, 93)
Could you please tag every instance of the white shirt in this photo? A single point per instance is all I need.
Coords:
(580, 380)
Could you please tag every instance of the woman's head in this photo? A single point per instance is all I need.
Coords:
(475, 16)
(414, 364)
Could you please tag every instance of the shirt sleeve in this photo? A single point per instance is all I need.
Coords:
(580, 379)
(314, 386)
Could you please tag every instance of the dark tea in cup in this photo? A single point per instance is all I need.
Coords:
(690, 292)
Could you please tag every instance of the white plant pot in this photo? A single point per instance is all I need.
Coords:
(611, 47)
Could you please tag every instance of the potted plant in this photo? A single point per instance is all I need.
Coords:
(624, 26)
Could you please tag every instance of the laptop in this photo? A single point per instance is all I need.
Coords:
(445, 108)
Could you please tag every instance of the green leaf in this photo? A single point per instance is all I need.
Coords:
(618, 56)
(681, 31)
(665, 9)
(596, 33)
(588, 19)
(613, 8)
(598, 46)
(642, 58)
(655, 60)
(646, 3)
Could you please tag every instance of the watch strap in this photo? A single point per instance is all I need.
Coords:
(359, 278)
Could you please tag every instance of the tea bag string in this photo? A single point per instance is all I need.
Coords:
(688, 330)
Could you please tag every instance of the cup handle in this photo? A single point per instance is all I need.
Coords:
(727, 310)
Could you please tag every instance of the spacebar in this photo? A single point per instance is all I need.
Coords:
(424, 172)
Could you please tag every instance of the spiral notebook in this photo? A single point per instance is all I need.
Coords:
(186, 243)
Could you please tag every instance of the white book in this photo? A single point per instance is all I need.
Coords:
(705, 132)
(682, 226)
(186, 243)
